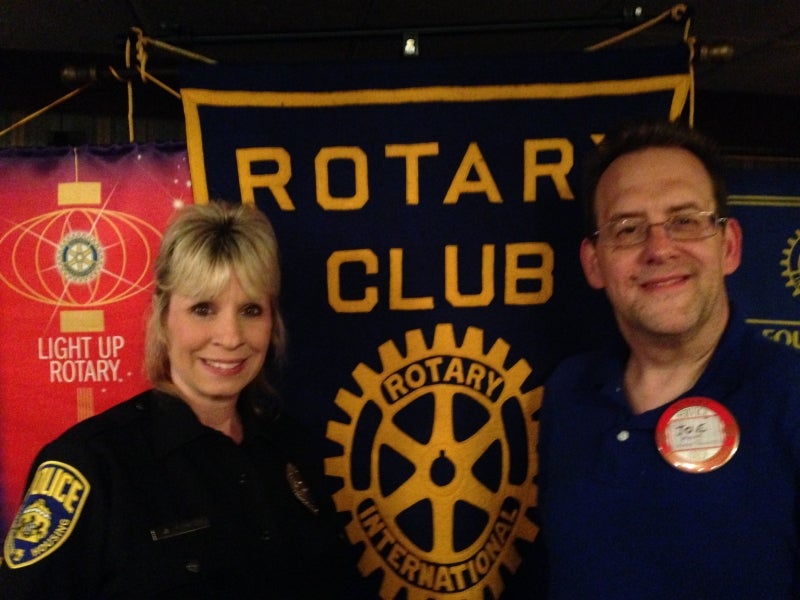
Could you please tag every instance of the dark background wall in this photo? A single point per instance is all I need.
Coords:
(747, 54)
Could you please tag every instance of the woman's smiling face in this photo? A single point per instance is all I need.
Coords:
(218, 345)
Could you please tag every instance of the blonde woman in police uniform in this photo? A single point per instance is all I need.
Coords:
(196, 488)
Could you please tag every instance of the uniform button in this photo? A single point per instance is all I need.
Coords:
(193, 566)
(623, 435)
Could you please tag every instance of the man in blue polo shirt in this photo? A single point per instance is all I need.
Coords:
(669, 459)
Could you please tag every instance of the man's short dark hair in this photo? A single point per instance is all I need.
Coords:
(638, 135)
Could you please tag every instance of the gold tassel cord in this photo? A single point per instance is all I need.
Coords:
(676, 13)
(129, 86)
(691, 41)
(43, 110)
(142, 41)
(141, 68)
(171, 48)
(161, 84)
(141, 57)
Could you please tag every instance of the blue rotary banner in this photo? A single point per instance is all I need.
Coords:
(427, 218)
(764, 195)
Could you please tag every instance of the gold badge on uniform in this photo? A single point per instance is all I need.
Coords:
(48, 514)
(299, 488)
(697, 435)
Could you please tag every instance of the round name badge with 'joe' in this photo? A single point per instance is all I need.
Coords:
(697, 435)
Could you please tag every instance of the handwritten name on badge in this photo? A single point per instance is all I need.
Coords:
(697, 435)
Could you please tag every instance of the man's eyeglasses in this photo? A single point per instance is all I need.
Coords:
(685, 226)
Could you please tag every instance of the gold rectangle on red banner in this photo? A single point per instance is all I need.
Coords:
(74, 321)
(79, 192)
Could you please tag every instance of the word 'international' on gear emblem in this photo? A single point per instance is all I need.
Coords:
(438, 464)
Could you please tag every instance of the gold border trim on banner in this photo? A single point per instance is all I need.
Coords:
(763, 200)
(194, 98)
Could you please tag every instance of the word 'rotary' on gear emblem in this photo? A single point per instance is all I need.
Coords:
(438, 465)
(791, 264)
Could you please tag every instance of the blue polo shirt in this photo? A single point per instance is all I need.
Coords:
(620, 522)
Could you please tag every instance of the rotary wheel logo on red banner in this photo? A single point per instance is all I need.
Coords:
(438, 464)
(77, 241)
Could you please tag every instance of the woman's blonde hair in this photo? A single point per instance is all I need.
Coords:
(203, 247)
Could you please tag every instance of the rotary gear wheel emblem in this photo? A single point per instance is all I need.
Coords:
(791, 264)
(438, 464)
(80, 257)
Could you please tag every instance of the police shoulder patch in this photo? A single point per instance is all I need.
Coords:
(48, 514)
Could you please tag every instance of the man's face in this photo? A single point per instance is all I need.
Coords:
(661, 287)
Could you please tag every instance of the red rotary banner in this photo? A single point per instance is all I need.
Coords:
(78, 235)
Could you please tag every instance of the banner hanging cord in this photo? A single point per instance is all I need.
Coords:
(129, 87)
(691, 41)
(43, 110)
(141, 68)
(175, 49)
(141, 57)
(677, 13)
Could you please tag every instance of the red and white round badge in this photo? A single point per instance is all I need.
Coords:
(697, 435)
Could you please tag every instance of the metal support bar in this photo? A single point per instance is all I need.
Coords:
(628, 18)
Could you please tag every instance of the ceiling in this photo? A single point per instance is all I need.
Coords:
(747, 61)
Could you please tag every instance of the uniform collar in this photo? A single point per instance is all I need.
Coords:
(175, 424)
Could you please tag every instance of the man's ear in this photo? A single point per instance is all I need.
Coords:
(732, 238)
(591, 271)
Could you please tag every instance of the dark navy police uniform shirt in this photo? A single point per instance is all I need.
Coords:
(620, 522)
(143, 501)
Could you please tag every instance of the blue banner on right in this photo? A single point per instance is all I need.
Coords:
(765, 197)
